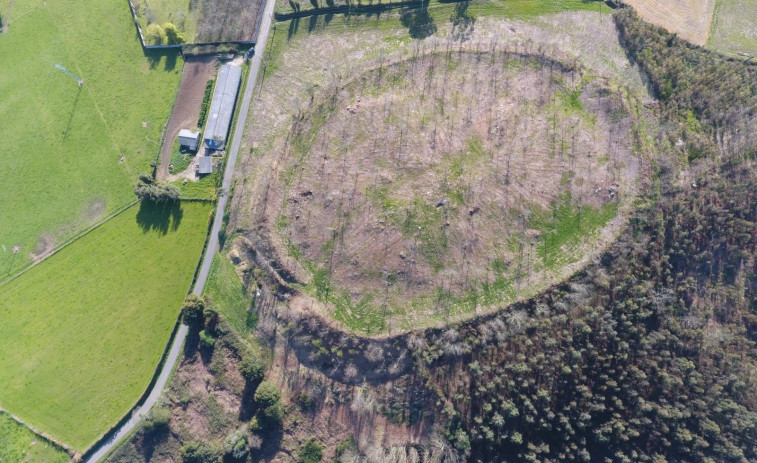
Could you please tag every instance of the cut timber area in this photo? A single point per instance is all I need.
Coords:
(690, 19)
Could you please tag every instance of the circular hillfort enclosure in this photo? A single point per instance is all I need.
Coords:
(447, 184)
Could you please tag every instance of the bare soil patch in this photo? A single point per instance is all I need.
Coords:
(44, 247)
(197, 71)
(690, 19)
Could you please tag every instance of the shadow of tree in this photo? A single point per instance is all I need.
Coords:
(419, 23)
(312, 23)
(247, 406)
(462, 22)
(294, 24)
(159, 217)
(155, 56)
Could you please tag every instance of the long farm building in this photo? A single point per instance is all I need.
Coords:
(222, 106)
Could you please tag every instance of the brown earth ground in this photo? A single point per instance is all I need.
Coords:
(197, 71)
(353, 190)
(228, 20)
(690, 19)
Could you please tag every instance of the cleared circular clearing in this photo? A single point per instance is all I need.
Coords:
(448, 184)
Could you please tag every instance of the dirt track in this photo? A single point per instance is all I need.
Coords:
(197, 71)
(690, 19)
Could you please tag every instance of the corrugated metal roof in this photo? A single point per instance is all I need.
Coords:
(222, 106)
(205, 165)
(186, 133)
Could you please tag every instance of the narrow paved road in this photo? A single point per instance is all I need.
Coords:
(207, 260)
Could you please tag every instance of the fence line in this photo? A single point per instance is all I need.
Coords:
(42, 435)
(179, 46)
(70, 241)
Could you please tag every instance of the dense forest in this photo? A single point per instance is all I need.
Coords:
(649, 355)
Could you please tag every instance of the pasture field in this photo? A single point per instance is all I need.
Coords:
(73, 153)
(734, 27)
(83, 331)
(452, 175)
(18, 444)
(690, 19)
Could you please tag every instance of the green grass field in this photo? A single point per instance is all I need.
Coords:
(73, 153)
(18, 444)
(83, 331)
(228, 295)
(734, 27)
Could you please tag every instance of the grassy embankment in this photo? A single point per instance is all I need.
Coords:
(83, 332)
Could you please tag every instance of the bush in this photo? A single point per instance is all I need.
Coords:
(205, 103)
(267, 394)
(306, 402)
(252, 368)
(311, 452)
(236, 444)
(199, 452)
(159, 418)
(154, 34)
(207, 340)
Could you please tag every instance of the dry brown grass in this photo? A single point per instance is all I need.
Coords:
(346, 192)
(690, 19)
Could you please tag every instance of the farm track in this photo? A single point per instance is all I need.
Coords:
(102, 448)
(197, 71)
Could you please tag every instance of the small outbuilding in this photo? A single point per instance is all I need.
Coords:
(189, 139)
(205, 165)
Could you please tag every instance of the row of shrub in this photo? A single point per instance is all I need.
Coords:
(205, 103)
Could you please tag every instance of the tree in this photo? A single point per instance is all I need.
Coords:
(193, 309)
(236, 444)
(267, 394)
(252, 368)
(311, 452)
(147, 189)
(173, 36)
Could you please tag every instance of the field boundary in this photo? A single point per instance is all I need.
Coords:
(70, 241)
(360, 9)
(180, 46)
(42, 435)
